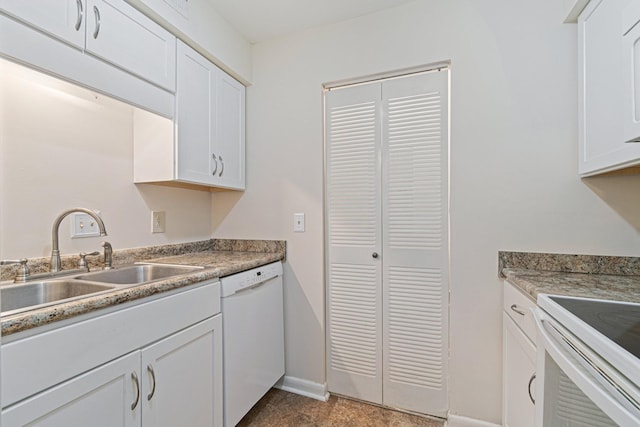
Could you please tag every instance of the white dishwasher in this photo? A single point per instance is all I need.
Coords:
(253, 337)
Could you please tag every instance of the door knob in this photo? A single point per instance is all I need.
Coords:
(375, 254)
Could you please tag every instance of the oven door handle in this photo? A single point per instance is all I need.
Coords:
(584, 378)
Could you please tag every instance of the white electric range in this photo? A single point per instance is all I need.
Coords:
(588, 367)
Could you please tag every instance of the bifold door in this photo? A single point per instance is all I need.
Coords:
(387, 240)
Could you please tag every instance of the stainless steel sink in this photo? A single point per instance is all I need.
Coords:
(137, 274)
(15, 297)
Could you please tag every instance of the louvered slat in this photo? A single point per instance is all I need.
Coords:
(412, 345)
(414, 215)
(352, 183)
(353, 319)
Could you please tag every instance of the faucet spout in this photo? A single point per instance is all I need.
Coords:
(55, 249)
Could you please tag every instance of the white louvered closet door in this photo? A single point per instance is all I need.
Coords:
(387, 192)
(415, 242)
(353, 225)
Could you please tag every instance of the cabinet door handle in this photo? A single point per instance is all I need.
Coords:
(215, 162)
(134, 377)
(517, 310)
(80, 13)
(96, 12)
(533, 377)
(153, 379)
(222, 162)
(374, 255)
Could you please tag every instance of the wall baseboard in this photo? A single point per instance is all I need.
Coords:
(303, 387)
(458, 421)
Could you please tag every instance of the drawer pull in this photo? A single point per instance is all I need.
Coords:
(134, 377)
(153, 378)
(80, 12)
(96, 12)
(215, 162)
(517, 310)
(533, 377)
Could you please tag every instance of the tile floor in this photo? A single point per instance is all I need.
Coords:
(282, 409)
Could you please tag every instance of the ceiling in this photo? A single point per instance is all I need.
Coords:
(259, 20)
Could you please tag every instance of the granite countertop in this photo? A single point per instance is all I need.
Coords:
(218, 260)
(602, 277)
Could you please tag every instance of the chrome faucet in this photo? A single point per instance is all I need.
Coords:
(54, 267)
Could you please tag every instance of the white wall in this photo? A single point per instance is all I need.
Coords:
(62, 146)
(514, 182)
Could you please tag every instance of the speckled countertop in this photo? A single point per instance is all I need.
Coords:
(218, 257)
(603, 277)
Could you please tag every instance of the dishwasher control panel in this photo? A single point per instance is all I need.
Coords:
(250, 278)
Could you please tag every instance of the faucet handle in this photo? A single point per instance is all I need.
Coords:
(24, 269)
(108, 255)
(83, 259)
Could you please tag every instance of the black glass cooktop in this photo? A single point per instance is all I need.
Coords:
(618, 322)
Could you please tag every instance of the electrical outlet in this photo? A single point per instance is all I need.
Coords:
(83, 225)
(157, 221)
(298, 222)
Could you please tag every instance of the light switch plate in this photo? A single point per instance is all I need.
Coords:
(298, 222)
(158, 221)
(83, 225)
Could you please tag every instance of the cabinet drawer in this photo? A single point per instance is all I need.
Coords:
(519, 308)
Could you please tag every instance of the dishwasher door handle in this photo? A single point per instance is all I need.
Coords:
(254, 286)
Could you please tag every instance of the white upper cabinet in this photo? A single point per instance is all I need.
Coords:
(119, 34)
(209, 144)
(607, 95)
(197, 160)
(631, 71)
(230, 127)
(64, 20)
(110, 30)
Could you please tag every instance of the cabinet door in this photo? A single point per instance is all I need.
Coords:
(102, 397)
(631, 71)
(64, 20)
(122, 36)
(182, 384)
(230, 135)
(519, 364)
(602, 108)
(196, 118)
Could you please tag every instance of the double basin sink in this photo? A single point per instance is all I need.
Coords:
(15, 298)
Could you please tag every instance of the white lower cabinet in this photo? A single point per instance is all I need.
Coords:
(175, 380)
(519, 368)
(181, 381)
(519, 360)
(98, 398)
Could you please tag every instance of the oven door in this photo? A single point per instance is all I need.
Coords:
(575, 387)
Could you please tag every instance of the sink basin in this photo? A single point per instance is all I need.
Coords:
(15, 297)
(137, 274)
